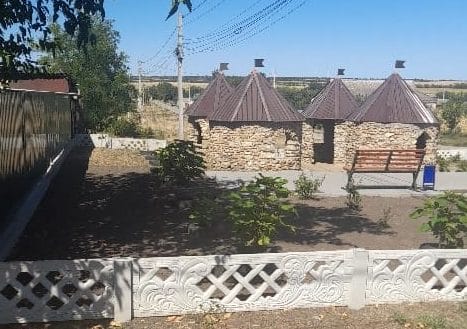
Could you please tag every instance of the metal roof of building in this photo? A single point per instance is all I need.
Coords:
(57, 85)
(334, 102)
(212, 97)
(394, 102)
(255, 100)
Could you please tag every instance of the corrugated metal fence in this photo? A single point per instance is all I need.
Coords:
(34, 128)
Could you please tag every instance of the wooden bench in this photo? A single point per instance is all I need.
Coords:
(386, 161)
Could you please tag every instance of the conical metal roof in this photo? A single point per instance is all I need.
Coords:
(394, 102)
(212, 97)
(255, 100)
(334, 102)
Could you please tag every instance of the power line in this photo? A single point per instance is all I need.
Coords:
(247, 29)
(252, 18)
(166, 42)
(197, 18)
(227, 44)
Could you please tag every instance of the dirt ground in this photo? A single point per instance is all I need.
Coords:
(106, 203)
(414, 316)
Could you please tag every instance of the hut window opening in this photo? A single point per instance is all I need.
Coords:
(421, 141)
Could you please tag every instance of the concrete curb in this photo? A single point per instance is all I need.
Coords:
(24, 212)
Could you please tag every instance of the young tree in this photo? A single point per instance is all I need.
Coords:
(451, 114)
(23, 23)
(100, 72)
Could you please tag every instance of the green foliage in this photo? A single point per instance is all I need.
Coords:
(451, 114)
(205, 210)
(451, 163)
(306, 188)
(447, 218)
(123, 127)
(180, 163)
(100, 72)
(400, 318)
(432, 322)
(258, 209)
(354, 200)
(300, 98)
(443, 163)
(163, 91)
(26, 23)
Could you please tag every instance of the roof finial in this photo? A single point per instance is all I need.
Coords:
(259, 62)
(399, 65)
(340, 72)
(223, 67)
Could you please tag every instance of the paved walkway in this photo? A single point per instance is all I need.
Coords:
(370, 184)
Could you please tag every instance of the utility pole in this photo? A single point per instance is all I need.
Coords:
(140, 88)
(274, 79)
(179, 53)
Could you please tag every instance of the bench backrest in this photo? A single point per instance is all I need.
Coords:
(388, 160)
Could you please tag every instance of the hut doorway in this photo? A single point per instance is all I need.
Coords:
(324, 149)
(199, 133)
(421, 141)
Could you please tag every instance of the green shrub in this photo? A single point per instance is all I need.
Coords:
(123, 127)
(447, 218)
(354, 200)
(205, 210)
(180, 163)
(257, 210)
(306, 188)
(443, 163)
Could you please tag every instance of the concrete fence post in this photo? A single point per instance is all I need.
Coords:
(358, 284)
(123, 285)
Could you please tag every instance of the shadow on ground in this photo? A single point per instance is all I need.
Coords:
(92, 215)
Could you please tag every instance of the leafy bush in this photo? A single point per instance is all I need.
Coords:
(354, 200)
(180, 163)
(258, 209)
(123, 127)
(447, 216)
(306, 188)
(205, 209)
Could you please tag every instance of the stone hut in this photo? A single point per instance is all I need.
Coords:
(212, 98)
(328, 109)
(393, 117)
(256, 129)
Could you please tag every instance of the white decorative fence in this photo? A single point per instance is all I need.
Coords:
(126, 288)
(106, 141)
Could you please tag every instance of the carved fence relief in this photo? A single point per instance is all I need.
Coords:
(165, 286)
(416, 275)
(123, 288)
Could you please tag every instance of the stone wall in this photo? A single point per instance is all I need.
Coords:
(307, 145)
(253, 146)
(370, 135)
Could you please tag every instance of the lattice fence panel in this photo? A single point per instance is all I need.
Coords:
(56, 290)
(166, 286)
(417, 275)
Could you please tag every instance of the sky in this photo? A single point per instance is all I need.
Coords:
(363, 36)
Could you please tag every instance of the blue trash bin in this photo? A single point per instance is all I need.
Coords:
(429, 173)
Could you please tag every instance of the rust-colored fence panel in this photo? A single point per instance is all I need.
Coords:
(34, 128)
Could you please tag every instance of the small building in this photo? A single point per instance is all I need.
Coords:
(330, 107)
(393, 117)
(212, 98)
(255, 129)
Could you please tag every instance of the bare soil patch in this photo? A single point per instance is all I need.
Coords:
(414, 316)
(100, 208)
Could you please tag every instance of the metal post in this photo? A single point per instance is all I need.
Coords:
(180, 75)
(140, 88)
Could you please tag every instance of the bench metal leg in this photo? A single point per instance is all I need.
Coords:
(414, 181)
(349, 179)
